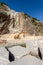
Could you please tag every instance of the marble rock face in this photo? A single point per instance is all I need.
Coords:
(15, 22)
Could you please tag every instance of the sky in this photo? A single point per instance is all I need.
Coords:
(33, 8)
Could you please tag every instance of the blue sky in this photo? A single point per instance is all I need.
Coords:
(33, 8)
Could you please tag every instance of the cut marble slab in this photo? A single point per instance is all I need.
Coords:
(3, 56)
(27, 60)
(19, 51)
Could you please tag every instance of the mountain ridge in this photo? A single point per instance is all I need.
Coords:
(19, 22)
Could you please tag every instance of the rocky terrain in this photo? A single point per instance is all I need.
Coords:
(12, 22)
(21, 38)
(24, 55)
